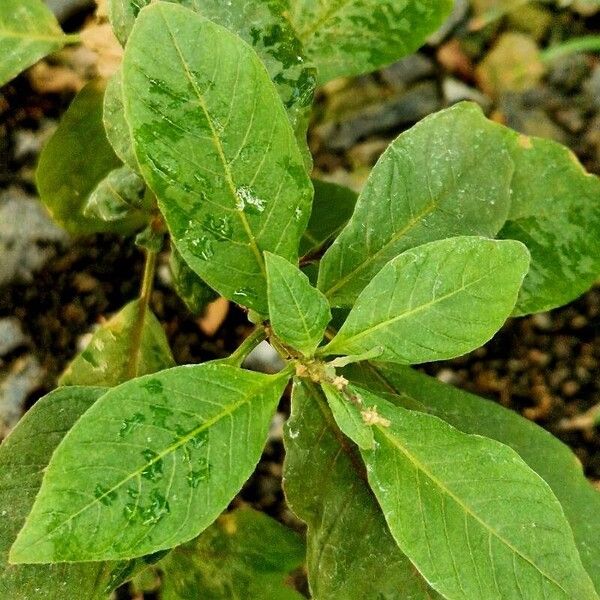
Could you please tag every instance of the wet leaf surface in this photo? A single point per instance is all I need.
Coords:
(212, 150)
(150, 465)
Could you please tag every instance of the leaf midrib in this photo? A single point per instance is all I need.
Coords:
(413, 222)
(218, 147)
(228, 410)
(59, 37)
(409, 313)
(444, 489)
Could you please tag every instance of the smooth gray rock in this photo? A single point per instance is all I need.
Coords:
(28, 237)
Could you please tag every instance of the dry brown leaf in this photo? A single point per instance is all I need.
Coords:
(213, 316)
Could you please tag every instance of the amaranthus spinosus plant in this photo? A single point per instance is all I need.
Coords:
(410, 488)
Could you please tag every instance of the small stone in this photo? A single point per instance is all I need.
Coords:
(447, 376)
(84, 283)
(17, 382)
(408, 70)
(457, 91)
(28, 237)
(569, 388)
(11, 335)
(569, 72)
(542, 321)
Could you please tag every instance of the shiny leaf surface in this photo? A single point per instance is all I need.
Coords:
(150, 465)
(449, 175)
(471, 515)
(262, 25)
(299, 313)
(348, 417)
(350, 37)
(23, 457)
(28, 32)
(351, 553)
(219, 154)
(436, 301)
(555, 212)
(544, 453)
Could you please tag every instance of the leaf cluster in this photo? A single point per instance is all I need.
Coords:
(409, 488)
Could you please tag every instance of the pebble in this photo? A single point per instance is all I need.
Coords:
(11, 336)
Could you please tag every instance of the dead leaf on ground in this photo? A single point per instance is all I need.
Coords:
(213, 316)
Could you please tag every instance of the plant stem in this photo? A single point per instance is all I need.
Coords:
(588, 43)
(72, 38)
(144, 301)
(256, 337)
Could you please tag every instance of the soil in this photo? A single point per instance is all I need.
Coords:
(544, 366)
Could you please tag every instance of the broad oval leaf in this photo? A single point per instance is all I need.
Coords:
(332, 208)
(244, 554)
(75, 161)
(126, 346)
(544, 453)
(28, 32)
(448, 175)
(262, 25)
(23, 457)
(118, 196)
(299, 313)
(473, 517)
(555, 212)
(436, 301)
(219, 154)
(350, 37)
(150, 465)
(351, 553)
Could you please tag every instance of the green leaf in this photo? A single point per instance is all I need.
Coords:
(115, 125)
(449, 175)
(544, 453)
(262, 25)
(299, 313)
(211, 149)
(118, 196)
(347, 415)
(150, 465)
(436, 301)
(28, 32)
(350, 37)
(23, 457)
(126, 346)
(189, 287)
(555, 214)
(244, 554)
(332, 208)
(472, 516)
(351, 553)
(74, 161)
